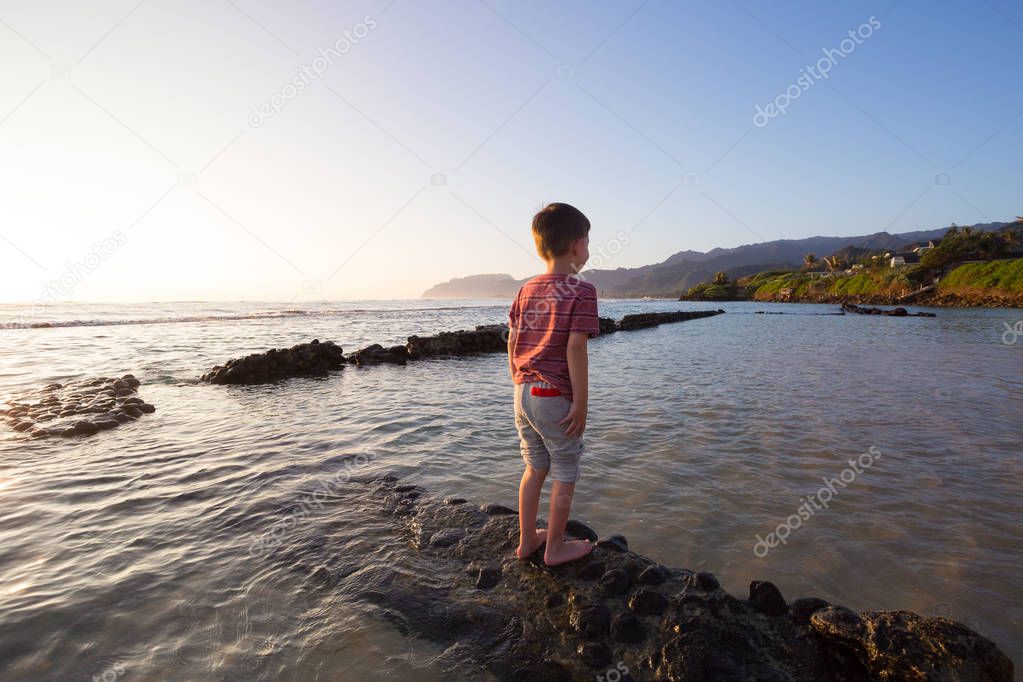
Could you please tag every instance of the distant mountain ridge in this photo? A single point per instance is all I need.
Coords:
(685, 269)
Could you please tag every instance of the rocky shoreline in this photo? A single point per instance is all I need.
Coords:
(319, 359)
(624, 616)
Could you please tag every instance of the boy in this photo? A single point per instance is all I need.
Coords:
(552, 317)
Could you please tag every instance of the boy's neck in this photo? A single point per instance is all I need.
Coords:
(561, 266)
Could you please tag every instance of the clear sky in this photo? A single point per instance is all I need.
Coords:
(134, 145)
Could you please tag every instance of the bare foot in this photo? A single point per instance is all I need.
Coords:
(568, 551)
(525, 551)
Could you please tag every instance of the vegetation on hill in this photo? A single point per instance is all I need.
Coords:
(858, 275)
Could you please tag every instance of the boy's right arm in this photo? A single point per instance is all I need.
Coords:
(512, 333)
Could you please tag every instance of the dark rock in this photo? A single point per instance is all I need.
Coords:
(147, 408)
(615, 543)
(645, 320)
(595, 654)
(591, 571)
(535, 615)
(704, 581)
(496, 509)
(105, 424)
(579, 530)
(653, 575)
(804, 607)
(838, 623)
(615, 582)
(591, 621)
(84, 428)
(446, 537)
(454, 500)
(627, 628)
(648, 602)
(766, 598)
(488, 577)
(23, 426)
(305, 359)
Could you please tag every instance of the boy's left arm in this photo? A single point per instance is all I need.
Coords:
(578, 374)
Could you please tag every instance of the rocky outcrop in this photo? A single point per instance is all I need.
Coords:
(616, 610)
(894, 312)
(79, 408)
(645, 320)
(377, 354)
(489, 338)
(318, 359)
(305, 359)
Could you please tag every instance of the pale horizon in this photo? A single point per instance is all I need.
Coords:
(405, 145)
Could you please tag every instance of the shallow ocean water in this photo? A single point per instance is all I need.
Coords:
(131, 553)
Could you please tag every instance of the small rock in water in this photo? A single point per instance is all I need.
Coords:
(652, 575)
(704, 581)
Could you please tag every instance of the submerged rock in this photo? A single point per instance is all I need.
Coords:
(894, 312)
(519, 619)
(305, 359)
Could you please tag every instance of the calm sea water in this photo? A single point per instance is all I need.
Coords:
(128, 555)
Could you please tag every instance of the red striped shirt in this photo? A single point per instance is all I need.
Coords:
(546, 309)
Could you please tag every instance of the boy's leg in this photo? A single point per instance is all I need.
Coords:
(537, 459)
(530, 538)
(558, 551)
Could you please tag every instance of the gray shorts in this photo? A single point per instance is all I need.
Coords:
(542, 439)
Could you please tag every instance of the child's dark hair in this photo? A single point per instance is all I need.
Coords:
(556, 226)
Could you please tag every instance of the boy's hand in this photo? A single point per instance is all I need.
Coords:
(576, 420)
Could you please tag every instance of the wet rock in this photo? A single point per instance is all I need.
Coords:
(615, 543)
(488, 577)
(536, 615)
(62, 407)
(653, 575)
(804, 607)
(704, 581)
(447, 537)
(303, 360)
(484, 339)
(454, 500)
(594, 654)
(591, 621)
(645, 320)
(591, 571)
(766, 598)
(377, 354)
(627, 628)
(648, 602)
(495, 509)
(615, 582)
(839, 623)
(579, 530)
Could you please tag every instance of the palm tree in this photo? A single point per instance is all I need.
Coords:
(720, 278)
(809, 260)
